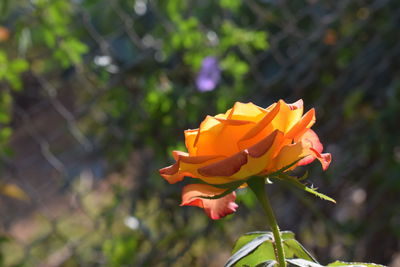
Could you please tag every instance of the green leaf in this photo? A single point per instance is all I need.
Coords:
(247, 247)
(281, 171)
(246, 238)
(291, 246)
(294, 249)
(303, 263)
(265, 252)
(287, 235)
(250, 249)
(269, 263)
(251, 235)
(318, 194)
(294, 181)
(306, 263)
(253, 254)
(354, 264)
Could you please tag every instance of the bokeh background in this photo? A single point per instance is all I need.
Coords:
(94, 95)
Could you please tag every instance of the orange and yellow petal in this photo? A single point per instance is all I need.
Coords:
(246, 111)
(305, 150)
(289, 154)
(186, 166)
(260, 155)
(289, 115)
(215, 208)
(226, 167)
(305, 123)
(219, 169)
(261, 129)
(220, 136)
(190, 138)
(244, 164)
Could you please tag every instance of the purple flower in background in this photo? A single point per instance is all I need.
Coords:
(209, 74)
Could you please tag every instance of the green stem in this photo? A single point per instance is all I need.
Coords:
(257, 185)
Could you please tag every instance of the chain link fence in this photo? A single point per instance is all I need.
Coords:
(110, 89)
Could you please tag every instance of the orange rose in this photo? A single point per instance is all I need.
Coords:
(245, 141)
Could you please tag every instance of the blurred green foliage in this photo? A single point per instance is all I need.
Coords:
(128, 68)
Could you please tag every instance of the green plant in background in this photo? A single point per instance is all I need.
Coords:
(129, 68)
(196, 39)
(10, 72)
(121, 251)
(168, 88)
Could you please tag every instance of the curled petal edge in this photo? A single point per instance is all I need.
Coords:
(192, 195)
(296, 105)
(316, 148)
(302, 151)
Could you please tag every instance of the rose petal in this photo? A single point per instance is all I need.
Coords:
(224, 115)
(289, 154)
(225, 167)
(242, 126)
(316, 148)
(246, 163)
(289, 115)
(214, 208)
(303, 125)
(308, 147)
(261, 155)
(213, 130)
(325, 159)
(263, 145)
(261, 129)
(296, 105)
(312, 139)
(186, 166)
(233, 122)
(190, 137)
(246, 111)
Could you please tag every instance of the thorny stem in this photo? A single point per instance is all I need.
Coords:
(257, 185)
